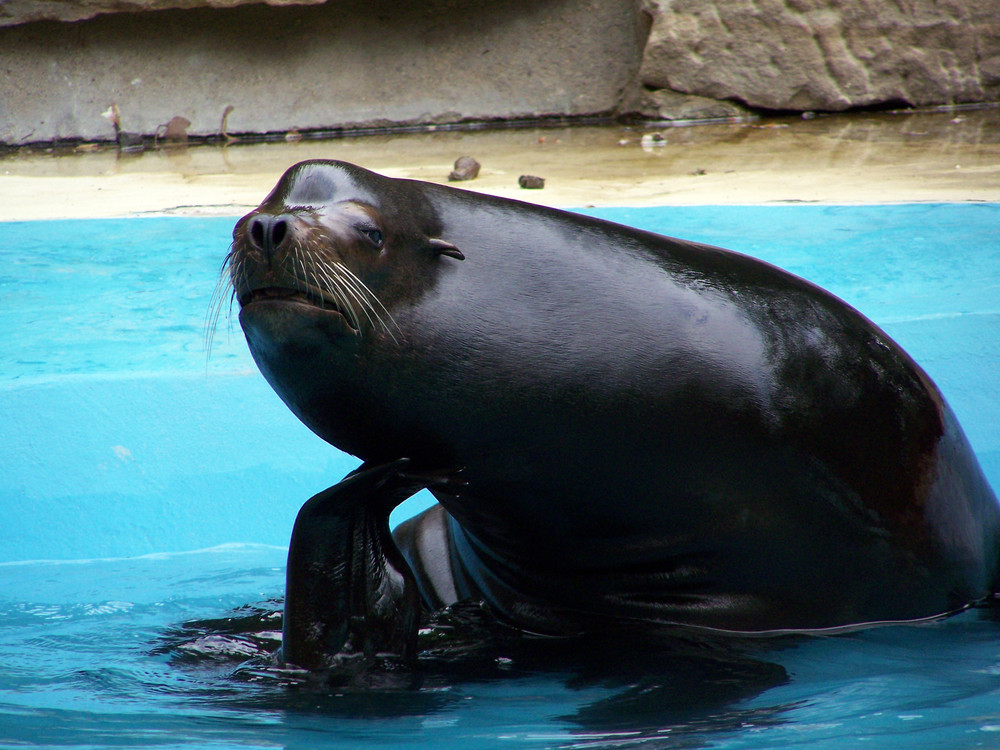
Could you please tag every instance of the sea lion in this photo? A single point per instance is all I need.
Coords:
(620, 428)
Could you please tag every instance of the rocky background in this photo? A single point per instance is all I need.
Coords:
(294, 65)
(823, 55)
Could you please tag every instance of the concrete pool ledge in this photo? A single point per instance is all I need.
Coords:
(911, 158)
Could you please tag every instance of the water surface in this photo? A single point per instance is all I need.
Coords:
(145, 488)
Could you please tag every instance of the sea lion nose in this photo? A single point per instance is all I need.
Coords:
(267, 232)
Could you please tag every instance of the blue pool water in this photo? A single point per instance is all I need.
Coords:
(144, 486)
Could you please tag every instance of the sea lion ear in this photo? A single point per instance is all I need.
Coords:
(441, 247)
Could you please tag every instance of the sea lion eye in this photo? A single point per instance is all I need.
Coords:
(372, 234)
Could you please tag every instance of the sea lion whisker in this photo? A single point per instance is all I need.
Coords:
(299, 270)
(236, 274)
(329, 284)
(214, 311)
(365, 297)
(298, 256)
(211, 323)
(319, 282)
(230, 284)
(308, 281)
(358, 296)
(353, 278)
(212, 314)
(355, 299)
(317, 277)
(349, 300)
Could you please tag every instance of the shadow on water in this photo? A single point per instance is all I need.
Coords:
(657, 690)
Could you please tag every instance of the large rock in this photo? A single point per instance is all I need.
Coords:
(825, 54)
(14, 12)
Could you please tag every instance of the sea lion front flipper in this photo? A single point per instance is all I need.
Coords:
(349, 594)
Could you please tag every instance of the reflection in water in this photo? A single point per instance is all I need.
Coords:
(649, 687)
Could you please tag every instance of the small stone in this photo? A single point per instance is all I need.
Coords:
(175, 131)
(466, 168)
(530, 182)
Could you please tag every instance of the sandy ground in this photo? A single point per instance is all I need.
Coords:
(838, 159)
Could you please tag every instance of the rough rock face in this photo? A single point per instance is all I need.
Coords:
(13, 12)
(825, 54)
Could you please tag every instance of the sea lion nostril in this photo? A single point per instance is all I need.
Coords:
(279, 230)
(257, 232)
(268, 232)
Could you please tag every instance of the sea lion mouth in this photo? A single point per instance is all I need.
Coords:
(314, 299)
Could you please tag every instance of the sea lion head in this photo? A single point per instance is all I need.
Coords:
(332, 247)
(324, 271)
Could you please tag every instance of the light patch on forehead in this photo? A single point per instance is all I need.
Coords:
(316, 185)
